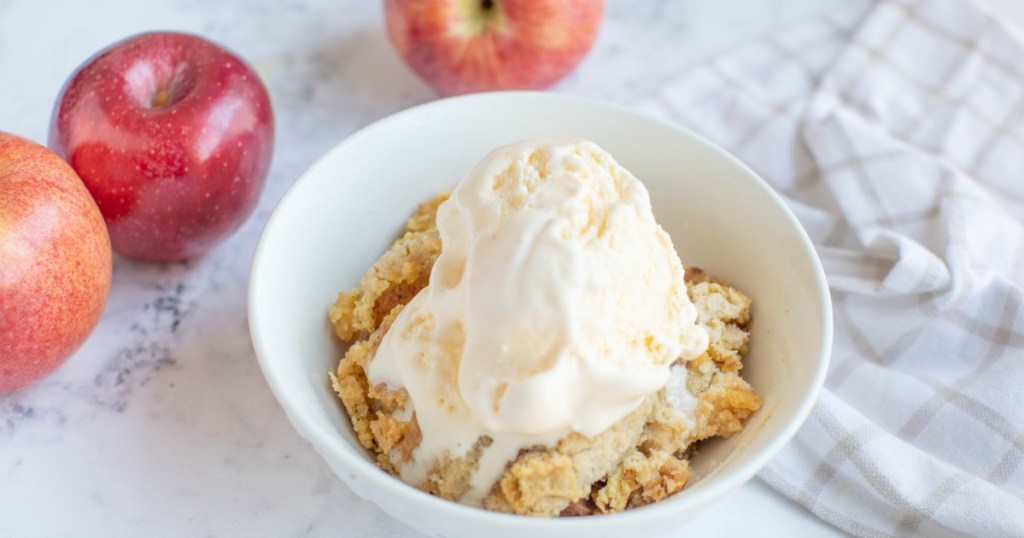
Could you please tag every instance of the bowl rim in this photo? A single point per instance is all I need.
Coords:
(323, 437)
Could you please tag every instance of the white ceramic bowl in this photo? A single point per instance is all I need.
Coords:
(348, 207)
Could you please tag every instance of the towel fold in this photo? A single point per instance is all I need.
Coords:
(895, 130)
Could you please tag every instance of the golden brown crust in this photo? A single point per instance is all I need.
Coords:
(393, 280)
(642, 479)
(543, 482)
(371, 409)
(725, 314)
(450, 478)
(722, 408)
(641, 459)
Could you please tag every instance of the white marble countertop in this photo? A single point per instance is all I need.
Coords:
(162, 424)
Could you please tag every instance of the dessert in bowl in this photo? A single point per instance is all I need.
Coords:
(351, 205)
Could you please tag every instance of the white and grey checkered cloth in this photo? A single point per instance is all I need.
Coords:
(895, 130)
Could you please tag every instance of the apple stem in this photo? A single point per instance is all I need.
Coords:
(160, 98)
(486, 4)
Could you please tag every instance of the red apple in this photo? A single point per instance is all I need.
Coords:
(462, 46)
(172, 135)
(54, 262)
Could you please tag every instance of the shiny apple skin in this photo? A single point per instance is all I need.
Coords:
(465, 46)
(171, 178)
(55, 262)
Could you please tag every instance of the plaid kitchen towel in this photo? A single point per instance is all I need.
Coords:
(895, 130)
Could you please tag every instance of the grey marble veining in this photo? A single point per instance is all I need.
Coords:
(162, 424)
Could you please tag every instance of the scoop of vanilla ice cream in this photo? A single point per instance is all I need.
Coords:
(557, 305)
